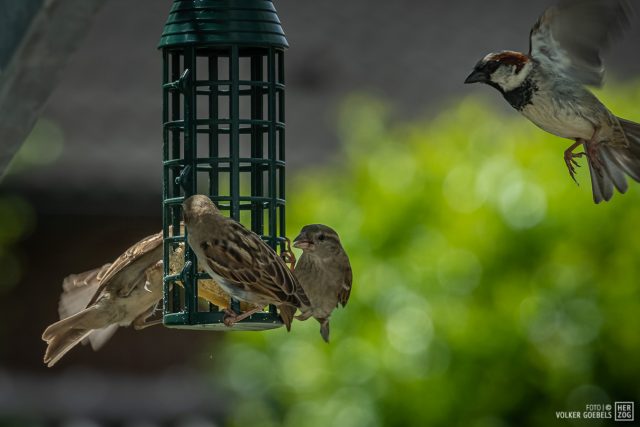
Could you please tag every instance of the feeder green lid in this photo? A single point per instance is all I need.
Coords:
(223, 22)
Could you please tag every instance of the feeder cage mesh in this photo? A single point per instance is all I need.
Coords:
(223, 132)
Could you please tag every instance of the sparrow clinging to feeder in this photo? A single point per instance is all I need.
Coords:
(324, 272)
(95, 303)
(546, 85)
(240, 261)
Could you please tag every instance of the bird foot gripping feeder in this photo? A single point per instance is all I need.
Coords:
(223, 131)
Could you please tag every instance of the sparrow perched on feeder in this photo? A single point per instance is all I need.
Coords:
(547, 87)
(240, 261)
(324, 272)
(95, 303)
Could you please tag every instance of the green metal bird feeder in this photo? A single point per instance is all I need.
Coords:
(223, 130)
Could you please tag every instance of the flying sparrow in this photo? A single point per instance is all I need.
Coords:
(95, 303)
(240, 261)
(547, 87)
(324, 272)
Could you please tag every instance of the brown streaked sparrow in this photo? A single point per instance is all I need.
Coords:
(324, 272)
(547, 87)
(240, 261)
(95, 303)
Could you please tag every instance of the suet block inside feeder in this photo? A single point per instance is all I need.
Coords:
(223, 132)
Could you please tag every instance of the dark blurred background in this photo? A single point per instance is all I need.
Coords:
(86, 183)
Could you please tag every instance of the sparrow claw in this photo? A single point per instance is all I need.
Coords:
(288, 256)
(572, 173)
(572, 170)
(230, 317)
(572, 163)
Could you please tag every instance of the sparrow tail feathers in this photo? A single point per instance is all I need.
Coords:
(617, 159)
(65, 334)
(59, 345)
(324, 329)
(627, 154)
(286, 314)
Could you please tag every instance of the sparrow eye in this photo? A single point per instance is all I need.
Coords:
(321, 237)
(492, 66)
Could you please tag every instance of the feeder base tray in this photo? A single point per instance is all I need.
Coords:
(213, 321)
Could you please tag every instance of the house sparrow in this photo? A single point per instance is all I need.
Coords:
(95, 303)
(324, 272)
(240, 261)
(546, 86)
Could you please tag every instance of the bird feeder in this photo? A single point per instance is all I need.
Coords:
(223, 131)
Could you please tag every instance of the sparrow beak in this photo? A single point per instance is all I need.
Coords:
(301, 242)
(477, 76)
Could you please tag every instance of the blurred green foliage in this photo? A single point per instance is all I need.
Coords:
(43, 147)
(489, 290)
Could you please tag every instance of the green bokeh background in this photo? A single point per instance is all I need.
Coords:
(489, 290)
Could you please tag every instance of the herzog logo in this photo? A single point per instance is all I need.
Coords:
(624, 411)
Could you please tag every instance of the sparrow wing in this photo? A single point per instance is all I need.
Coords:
(77, 281)
(345, 290)
(570, 37)
(242, 258)
(129, 267)
(78, 290)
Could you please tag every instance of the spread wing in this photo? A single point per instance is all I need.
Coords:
(570, 37)
(147, 251)
(78, 290)
(242, 258)
(345, 290)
